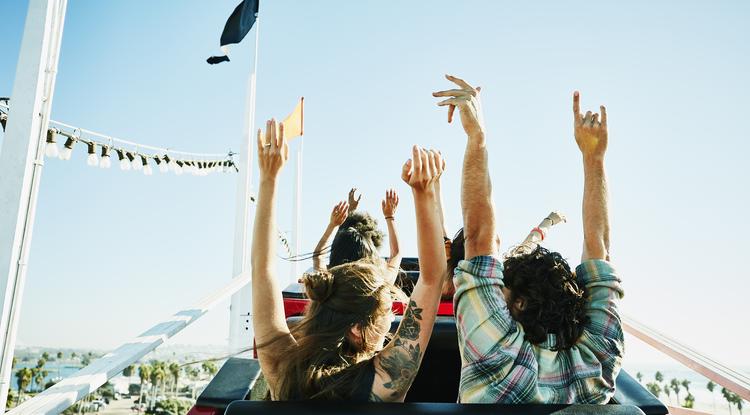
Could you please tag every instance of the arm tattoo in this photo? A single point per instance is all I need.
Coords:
(401, 363)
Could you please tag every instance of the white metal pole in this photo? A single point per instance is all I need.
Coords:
(297, 212)
(240, 321)
(21, 160)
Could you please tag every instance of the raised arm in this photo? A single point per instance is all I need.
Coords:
(353, 201)
(338, 216)
(396, 366)
(268, 308)
(389, 205)
(476, 188)
(591, 137)
(439, 197)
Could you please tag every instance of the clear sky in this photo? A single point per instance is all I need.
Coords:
(113, 251)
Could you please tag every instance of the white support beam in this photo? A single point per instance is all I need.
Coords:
(75, 387)
(21, 160)
(712, 369)
(240, 309)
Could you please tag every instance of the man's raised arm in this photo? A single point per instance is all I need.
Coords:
(591, 137)
(476, 188)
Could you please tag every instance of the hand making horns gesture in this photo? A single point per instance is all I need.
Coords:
(590, 131)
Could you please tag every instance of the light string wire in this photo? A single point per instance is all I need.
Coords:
(196, 161)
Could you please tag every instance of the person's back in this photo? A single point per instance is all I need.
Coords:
(529, 329)
(564, 351)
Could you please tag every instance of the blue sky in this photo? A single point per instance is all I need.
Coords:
(113, 251)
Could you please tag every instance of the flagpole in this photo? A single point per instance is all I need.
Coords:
(297, 211)
(240, 309)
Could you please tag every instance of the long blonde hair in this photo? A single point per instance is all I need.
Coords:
(326, 363)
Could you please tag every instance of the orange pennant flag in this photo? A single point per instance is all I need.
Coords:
(294, 123)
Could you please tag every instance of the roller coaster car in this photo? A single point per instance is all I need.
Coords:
(434, 391)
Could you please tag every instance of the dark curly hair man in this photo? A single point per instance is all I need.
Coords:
(531, 330)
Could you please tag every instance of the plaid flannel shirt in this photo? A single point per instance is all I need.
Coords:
(498, 365)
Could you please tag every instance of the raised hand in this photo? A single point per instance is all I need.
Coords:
(354, 202)
(423, 169)
(590, 131)
(466, 98)
(339, 214)
(273, 151)
(389, 204)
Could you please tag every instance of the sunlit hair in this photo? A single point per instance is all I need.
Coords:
(326, 362)
(357, 238)
(554, 302)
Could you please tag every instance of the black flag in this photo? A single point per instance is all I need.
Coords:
(238, 25)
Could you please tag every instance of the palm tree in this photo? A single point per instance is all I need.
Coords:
(654, 388)
(210, 368)
(668, 393)
(658, 376)
(144, 372)
(711, 386)
(639, 376)
(727, 395)
(174, 370)
(60, 355)
(128, 371)
(689, 401)
(45, 356)
(23, 379)
(39, 379)
(73, 355)
(675, 384)
(157, 379)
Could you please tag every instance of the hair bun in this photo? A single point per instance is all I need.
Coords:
(318, 285)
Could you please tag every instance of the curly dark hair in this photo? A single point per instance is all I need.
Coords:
(554, 303)
(357, 238)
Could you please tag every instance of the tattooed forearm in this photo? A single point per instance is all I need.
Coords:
(410, 328)
(401, 362)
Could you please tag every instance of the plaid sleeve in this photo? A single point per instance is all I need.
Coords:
(604, 292)
(603, 334)
(482, 317)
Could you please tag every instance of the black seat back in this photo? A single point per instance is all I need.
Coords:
(350, 408)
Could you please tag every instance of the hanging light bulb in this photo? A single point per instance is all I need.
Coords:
(162, 165)
(50, 149)
(92, 160)
(124, 163)
(67, 150)
(137, 164)
(105, 161)
(178, 167)
(166, 165)
(170, 163)
(147, 170)
(131, 161)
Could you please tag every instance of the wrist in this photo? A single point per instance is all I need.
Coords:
(390, 217)
(593, 161)
(264, 179)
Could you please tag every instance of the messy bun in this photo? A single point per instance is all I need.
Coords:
(365, 225)
(318, 285)
(357, 238)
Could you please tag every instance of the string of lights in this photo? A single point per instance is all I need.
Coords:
(130, 155)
